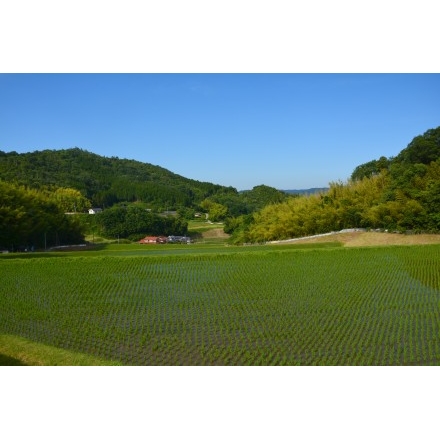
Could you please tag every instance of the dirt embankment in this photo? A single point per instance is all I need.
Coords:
(358, 239)
(215, 233)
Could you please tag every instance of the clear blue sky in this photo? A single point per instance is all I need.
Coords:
(288, 131)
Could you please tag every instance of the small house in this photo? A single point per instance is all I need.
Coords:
(148, 240)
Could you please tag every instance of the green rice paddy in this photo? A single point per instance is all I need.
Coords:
(219, 305)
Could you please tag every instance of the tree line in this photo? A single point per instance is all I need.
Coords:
(134, 222)
(31, 218)
(399, 194)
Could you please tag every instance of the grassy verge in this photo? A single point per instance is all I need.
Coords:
(16, 351)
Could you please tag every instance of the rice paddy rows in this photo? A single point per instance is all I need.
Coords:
(371, 306)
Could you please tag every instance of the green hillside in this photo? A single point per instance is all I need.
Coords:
(105, 181)
(423, 149)
(38, 188)
(397, 194)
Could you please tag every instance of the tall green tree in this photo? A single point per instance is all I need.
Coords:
(216, 211)
(71, 200)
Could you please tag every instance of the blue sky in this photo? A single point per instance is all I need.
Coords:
(288, 131)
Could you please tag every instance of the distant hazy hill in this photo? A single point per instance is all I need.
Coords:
(105, 181)
(304, 191)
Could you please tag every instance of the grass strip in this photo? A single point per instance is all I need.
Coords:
(17, 351)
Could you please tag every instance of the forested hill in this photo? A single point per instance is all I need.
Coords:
(400, 194)
(104, 181)
(423, 149)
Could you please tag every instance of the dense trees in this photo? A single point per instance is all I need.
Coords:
(370, 168)
(134, 222)
(105, 181)
(422, 149)
(245, 202)
(31, 218)
(71, 200)
(73, 180)
(216, 211)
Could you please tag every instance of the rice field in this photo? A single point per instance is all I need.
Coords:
(261, 305)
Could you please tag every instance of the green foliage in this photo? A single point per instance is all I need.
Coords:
(70, 200)
(422, 149)
(76, 179)
(247, 202)
(263, 195)
(30, 218)
(238, 228)
(104, 181)
(398, 194)
(135, 221)
(256, 305)
(370, 168)
(186, 213)
(216, 211)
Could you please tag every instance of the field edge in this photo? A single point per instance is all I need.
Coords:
(19, 351)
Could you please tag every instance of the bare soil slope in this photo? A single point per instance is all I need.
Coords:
(357, 239)
(215, 233)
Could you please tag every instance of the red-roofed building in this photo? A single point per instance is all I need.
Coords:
(148, 240)
(153, 240)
